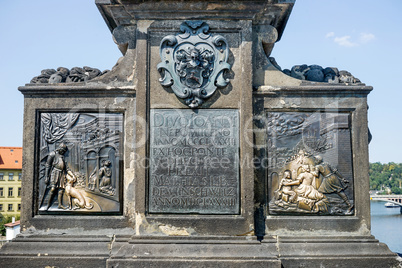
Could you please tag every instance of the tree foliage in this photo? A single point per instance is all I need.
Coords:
(386, 177)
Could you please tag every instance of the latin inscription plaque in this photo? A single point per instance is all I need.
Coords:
(194, 156)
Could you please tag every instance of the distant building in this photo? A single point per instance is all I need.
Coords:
(12, 229)
(10, 180)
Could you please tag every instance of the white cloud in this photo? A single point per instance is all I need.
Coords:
(348, 41)
(344, 41)
(366, 37)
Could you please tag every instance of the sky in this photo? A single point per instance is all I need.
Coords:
(362, 37)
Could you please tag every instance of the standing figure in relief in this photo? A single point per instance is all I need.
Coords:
(333, 182)
(92, 180)
(56, 170)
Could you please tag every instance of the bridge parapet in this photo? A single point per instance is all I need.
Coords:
(395, 199)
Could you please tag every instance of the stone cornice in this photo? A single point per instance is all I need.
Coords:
(127, 12)
(52, 90)
(314, 89)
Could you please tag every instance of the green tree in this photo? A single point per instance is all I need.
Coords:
(387, 175)
(4, 220)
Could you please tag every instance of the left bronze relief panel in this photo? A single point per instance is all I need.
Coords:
(79, 162)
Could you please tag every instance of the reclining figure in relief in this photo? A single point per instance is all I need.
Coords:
(309, 192)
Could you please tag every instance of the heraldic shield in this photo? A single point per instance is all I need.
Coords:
(194, 62)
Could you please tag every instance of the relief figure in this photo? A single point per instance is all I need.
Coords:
(333, 181)
(306, 185)
(55, 173)
(313, 191)
(92, 180)
(306, 191)
(105, 173)
(285, 190)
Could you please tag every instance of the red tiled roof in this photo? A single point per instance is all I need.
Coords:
(12, 224)
(10, 157)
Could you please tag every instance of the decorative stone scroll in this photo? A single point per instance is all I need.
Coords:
(194, 62)
(79, 163)
(309, 163)
(194, 161)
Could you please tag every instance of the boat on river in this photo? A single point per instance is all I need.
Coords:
(391, 205)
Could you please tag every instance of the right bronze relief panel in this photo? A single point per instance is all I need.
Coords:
(309, 163)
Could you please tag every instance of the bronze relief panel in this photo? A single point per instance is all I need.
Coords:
(309, 163)
(79, 163)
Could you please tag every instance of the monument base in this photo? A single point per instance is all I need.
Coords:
(56, 251)
(202, 251)
(334, 251)
(219, 251)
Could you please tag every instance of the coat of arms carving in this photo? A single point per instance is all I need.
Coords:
(194, 62)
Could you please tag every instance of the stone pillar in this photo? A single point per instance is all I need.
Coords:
(195, 150)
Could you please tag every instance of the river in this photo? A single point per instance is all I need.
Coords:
(386, 225)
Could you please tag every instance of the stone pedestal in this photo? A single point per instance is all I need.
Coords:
(195, 150)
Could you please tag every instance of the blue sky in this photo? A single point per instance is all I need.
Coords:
(362, 37)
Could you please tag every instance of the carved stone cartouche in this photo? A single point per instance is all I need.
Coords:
(194, 62)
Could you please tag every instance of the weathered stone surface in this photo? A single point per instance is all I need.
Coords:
(94, 100)
(195, 252)
(201, 251)
(299, 71)
(316, 251)
(56, 251)
(140, 233)
(231, 97)
(64, 75)
(316, 73)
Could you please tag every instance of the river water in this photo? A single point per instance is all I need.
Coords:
(386, 225)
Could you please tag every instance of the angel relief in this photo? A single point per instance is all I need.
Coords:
(308, 185)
